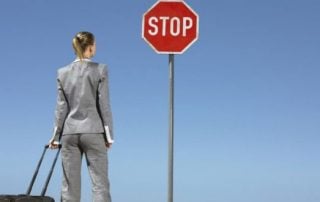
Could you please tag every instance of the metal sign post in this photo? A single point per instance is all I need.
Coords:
(170, 27)
(171, 128)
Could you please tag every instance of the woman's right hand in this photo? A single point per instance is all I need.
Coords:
(108, 145)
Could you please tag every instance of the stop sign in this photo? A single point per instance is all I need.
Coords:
(170, 26)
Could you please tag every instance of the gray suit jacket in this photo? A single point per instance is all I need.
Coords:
(83, 100)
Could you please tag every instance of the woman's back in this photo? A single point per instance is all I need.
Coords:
(80, 82)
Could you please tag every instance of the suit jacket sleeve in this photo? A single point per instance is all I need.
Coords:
(104, 104)
(60, 112)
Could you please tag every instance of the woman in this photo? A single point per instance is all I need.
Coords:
(83, 121)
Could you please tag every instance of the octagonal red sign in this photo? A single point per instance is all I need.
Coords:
(170, 26)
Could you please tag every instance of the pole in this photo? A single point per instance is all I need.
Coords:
(171, 128)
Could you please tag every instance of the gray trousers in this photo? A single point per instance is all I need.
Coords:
(94, 148)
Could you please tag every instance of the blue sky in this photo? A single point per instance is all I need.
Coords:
(246, 99)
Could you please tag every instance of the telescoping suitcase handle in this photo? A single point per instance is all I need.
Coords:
(44, 189)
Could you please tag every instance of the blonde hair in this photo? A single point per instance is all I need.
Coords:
(81, 41)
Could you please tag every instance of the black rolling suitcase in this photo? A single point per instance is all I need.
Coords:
(34, 198)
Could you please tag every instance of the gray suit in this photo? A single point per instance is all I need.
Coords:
(83, 115)
(83, 100)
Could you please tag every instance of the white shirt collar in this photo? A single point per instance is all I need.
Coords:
(84, 59)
